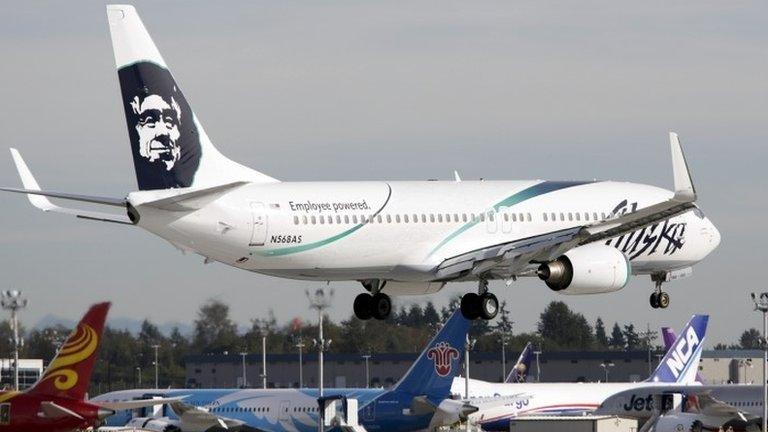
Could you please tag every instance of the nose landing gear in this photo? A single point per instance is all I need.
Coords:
(375, 305)
(481, 305)
(659, 299)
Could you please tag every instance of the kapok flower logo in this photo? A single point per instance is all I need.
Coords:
(442, 355)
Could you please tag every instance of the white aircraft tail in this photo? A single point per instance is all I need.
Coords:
(170, 148)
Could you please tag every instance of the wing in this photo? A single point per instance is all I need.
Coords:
(513, 258)
(51, 410)
(138, 403)
(195, 418)
(39, 198)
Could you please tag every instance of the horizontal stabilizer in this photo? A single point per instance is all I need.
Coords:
(182, 200)
(50, 410)
(39, 198)
(138, 403)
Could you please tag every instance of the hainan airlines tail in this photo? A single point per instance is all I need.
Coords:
(170, 148)
(69, 374)
(681, 363)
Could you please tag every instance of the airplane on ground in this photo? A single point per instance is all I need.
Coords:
(679, 366)
(56, 402)
(395, 238)
(420, 400)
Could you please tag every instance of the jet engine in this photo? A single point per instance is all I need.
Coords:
(589, 269)
(154, 424)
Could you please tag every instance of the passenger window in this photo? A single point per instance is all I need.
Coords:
(295, 220)
(397, 218)
(415, 218)
(423, 218)
(304, 220)
(378, 219)
(346, 219)
(594, 216)
(455, 217)
(440, 217)
(586, 216)
(514, 217)
(554, 217)
(432, 217)
(506, 217)
(464, 217)
(314, 220)
(544, 216)
(528, 217)
(520, 216)
(354, 219)
(405, 218)
(491, 216)
(578, 216)
(389, 218)
(482, 217)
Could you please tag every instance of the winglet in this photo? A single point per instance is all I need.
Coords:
(684, 190)
(29, 182)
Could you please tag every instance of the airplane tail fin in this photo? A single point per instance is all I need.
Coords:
(669, 337)
(681, 362)
(69, 373)
(519, 373)
(432, 373)
(170, 148)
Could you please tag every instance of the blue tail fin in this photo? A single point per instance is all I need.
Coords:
(433, 372)
(669, 337)
(519, 372)
(681, 363)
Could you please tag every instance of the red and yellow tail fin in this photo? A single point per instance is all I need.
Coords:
(69, 373)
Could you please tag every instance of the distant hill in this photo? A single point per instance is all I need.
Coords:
(133, 325)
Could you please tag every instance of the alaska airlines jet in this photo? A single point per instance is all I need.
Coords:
(420, 400)
(395, 238)
(679, 366)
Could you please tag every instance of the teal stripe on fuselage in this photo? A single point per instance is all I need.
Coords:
(525, 194)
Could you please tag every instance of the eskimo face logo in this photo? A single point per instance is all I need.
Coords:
(442, 355)
(162, 127)
(158, 129)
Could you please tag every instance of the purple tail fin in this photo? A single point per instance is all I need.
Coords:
(519, 372)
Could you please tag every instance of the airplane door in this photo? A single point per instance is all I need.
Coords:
(259, 224)
(284, 408)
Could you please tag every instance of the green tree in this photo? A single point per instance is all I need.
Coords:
(750, 339)
(564, 329)
(617, 338)
(601, 338)
(214, 330)
(631, 337)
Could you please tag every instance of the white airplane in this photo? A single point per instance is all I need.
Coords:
(678, 367)
(396, 238)
(703, 407)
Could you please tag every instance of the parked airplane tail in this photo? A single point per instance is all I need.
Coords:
(69, 374)
(433, 372)
(170, 148)
(669, 337)
(519, 373)
(681, 362)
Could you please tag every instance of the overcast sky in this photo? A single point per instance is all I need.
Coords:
(354, 90)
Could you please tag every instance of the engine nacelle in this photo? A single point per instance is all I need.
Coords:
(155, 424)
(588, 269)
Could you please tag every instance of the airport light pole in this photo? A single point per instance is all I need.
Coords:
(12, 301)
(367, 371)
(245, 380)
(469, 345)
(761, 305)
(537, 353)
(649, 336)
(264, 361)
(300, 346)
(156, 347)
(606, 366)
(503, 340)
(320, 301)
(138, 376)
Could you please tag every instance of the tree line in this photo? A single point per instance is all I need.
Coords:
(126, 359)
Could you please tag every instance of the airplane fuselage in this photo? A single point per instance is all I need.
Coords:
(401, 231)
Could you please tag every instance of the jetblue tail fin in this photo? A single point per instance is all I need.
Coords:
(669, 337)
(170, 148)
(519, 373)
(69, 374)
(681, 363)
(433, 372)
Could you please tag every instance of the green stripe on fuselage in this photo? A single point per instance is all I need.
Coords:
(525, 194)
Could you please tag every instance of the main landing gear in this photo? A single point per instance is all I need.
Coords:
(481, 305)
(659, 299)
(374, 305)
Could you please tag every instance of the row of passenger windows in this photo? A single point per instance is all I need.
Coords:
(240, 409)
(445, 218)
(746, 403)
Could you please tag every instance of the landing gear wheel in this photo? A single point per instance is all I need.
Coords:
(470, 306)
(362, 306)
(489, 306)
(654, 300)
(380, 306)
(663, 300)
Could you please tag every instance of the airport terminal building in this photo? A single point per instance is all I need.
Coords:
(349, 370)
